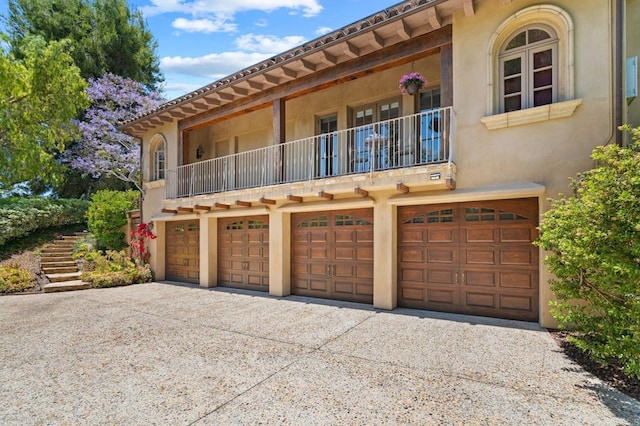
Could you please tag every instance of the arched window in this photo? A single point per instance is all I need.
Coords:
(529, 68)
(158, 161)
(530, 59)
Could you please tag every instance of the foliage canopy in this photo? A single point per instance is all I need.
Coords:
(594, 243)
(106, 35)
(39, 95)
(107, 216)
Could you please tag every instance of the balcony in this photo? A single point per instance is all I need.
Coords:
(410, 141)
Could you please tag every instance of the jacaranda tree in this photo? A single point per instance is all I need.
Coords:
(593, 239)
(104, 151)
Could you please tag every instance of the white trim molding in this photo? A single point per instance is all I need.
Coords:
(531, 115)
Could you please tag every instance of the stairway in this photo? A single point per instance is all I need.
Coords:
(59, 267)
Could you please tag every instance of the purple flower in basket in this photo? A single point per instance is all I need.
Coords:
(413, 78)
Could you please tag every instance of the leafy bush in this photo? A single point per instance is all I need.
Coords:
(14, 279)
(594, 240)
(84, 245)
(107, 216)
(22, 216)
(113, 268)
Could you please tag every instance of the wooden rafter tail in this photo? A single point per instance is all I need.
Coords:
(294, 198)
(185, 209)
(401, 187)
(221, 205)
(169, 211)
(201, 207)
(325, 195)
(361, 192)
(243, 203)
(266, 201)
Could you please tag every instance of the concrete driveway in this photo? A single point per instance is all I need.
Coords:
(174, 354)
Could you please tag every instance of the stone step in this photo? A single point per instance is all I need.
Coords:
(64, 243)
(79, 234)
(54, 249)
(51, 270)
(66, 286)
(69, 276)
(57, 264)
(58, 257)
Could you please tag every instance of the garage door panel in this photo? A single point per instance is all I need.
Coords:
(480, 257)
(411, 255)
(477, 258)
(442, 235)
(364, 253)
(516, 257)
(182, 251)
(243, 252)
(338, 251)
(518, 303)
(445, 255)
(517, 235)
(482, 235)
(515, 280)
(412, 236)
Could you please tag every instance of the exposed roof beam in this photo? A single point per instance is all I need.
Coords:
(376, 40)
(243, 203)
(361, 192)
(201, 207)
(402, 188)
(240, 91)
(350, 50)
(187, 110)
(289, 72)
(325, 195)
(221, 205)
(185, 209)
(200, 105)
(176, 114)
(468, 7)
(226, 96)
(255, 85)
(271, 78)
(170, 211)
(165, 119)
(308, 65)
(294, 198)
(328, 58)
(434, 18)
(155, 121)
(211, 101)
(266, 201)
(404, 30)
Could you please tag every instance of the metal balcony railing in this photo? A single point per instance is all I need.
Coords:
(414, 140)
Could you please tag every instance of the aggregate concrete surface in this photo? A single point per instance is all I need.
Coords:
(171, 354)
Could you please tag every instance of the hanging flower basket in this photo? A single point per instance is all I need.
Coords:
(411, 83)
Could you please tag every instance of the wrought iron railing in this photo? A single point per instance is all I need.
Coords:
(413, 140)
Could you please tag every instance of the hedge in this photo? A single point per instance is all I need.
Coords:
(22, 216)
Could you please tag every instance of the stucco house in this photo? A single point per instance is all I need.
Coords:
(311, 174)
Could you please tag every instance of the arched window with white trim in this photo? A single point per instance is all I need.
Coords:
(529, 68)
(158, 157)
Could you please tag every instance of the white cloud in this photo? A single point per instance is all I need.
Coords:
(323, 30)
(212, 66)
(267, 43)
(229, 8)
(203, 25)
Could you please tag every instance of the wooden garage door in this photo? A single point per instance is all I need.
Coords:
(332, 255)
(183, 251)
(243, 253)
(475, 258)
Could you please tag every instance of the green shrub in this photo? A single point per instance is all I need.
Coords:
(107, 216)
(594, 244)
(14, 279)
(84, 245)
(22, 216)
(113, 269)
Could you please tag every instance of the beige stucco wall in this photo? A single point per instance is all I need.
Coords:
(534, 159)
(546, 152)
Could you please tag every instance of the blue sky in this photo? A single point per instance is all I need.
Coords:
(203, 40)
(200, 41)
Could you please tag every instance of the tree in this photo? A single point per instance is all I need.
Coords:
(39, 95)
(102, 150)
(107, 216)
(594, 243)
(106, 36)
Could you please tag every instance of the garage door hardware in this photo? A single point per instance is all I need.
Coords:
(331, 270)
(462, 276)
(245, 266)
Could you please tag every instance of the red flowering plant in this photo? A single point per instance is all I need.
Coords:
(139, 236)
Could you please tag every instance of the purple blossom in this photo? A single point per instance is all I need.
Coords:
(409, 79)
(102, 150)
